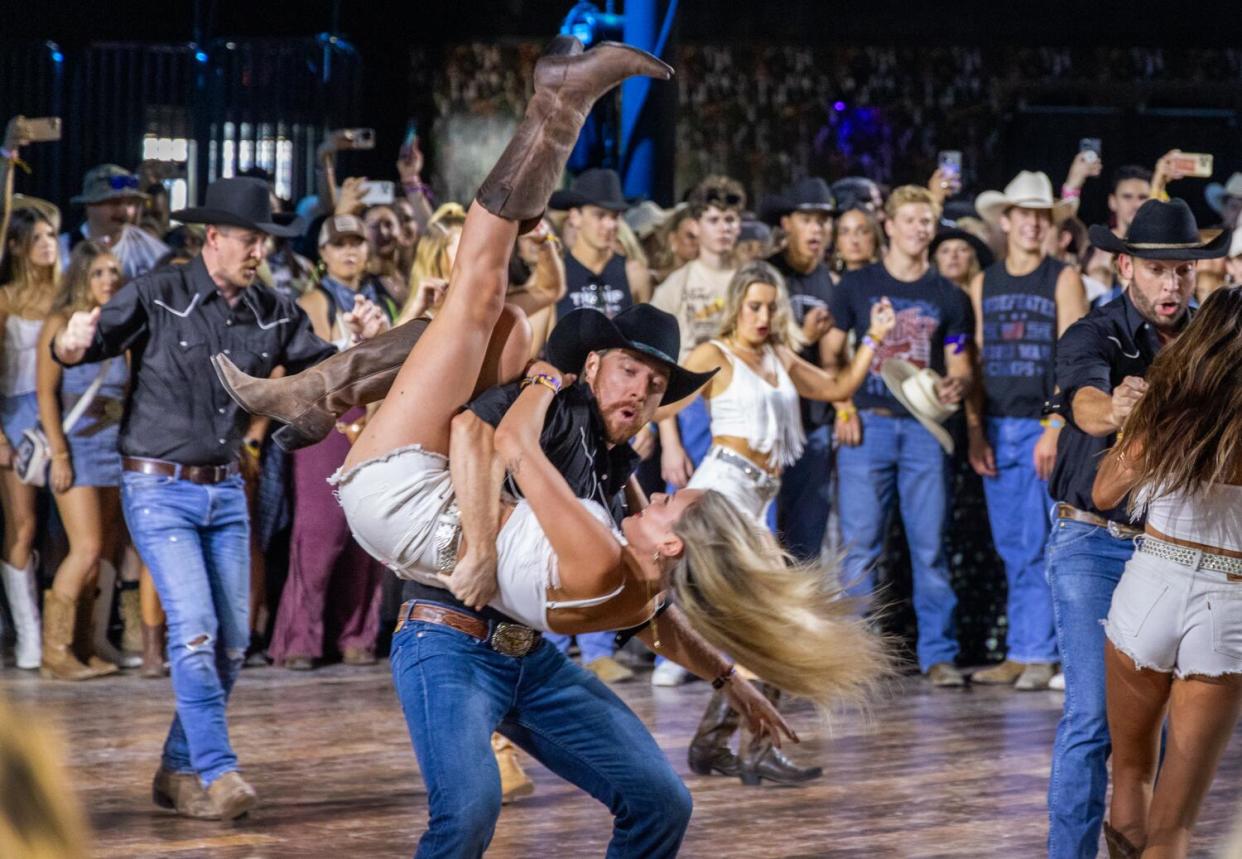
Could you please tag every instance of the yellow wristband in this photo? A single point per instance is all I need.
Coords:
(845, 414)
(1053, 421)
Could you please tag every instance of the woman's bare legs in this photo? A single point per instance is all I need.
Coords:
(441, 371)
(81, 510)
(1203, 712)
(1136, 704)
(19, 518)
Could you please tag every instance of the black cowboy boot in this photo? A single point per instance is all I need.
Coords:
(762, 760)
(709, 750)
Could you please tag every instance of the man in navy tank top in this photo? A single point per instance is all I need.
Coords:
(898, 461)
(1022, 304)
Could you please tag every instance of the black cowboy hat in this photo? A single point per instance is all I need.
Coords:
(1161, 231)
(642, 328)
(598, 186)
(241, 201)
(982, 252)
(806, 195)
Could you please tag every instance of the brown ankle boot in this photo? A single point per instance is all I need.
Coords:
(514, 782)
(309, 402)
(761, 760)
(153, 651)
(567, 84)
(709, 750)
(131, 620)
(59, 661)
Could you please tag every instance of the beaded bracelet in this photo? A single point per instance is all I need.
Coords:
(552, 383)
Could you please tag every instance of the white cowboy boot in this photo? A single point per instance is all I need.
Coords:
(20, 588)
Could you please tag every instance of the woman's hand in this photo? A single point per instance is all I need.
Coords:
(366, 320)
(675, 466)
(883, 319)
(429, 295)
(62, 473)
(761, 716)
(349, 198)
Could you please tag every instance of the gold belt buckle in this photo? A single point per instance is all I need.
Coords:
(511, 639)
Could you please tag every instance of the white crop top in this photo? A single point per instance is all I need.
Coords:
(767, 416)
(21, 340)
(526, 567)
(1213, 517)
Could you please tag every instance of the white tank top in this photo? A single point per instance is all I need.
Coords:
(767, 416)
(21, 338)
(1213, 517)
(526, 567)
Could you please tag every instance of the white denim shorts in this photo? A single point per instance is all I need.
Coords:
(1172, 618)
(402, 511)
(749, 488)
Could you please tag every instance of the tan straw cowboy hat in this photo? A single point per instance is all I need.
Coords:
(915, 389)
(1028, 190)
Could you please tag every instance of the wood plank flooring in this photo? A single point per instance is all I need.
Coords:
(934, 773)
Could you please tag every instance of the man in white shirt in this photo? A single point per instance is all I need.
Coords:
(112, 200)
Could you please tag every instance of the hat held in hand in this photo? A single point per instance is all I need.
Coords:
(915, 389)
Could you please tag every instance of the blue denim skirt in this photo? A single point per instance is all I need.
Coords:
(18, 413)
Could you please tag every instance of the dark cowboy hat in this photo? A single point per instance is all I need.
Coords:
(806, 195)
(241, 201)
(982, 252)
(1161, 231)
(642, 328)
(598, 186)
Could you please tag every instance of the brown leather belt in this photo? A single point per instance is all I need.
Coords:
(206, 474)
(1116, 529)
(509, 639)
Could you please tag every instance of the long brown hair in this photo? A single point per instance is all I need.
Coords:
(17, 275)
(75, 286)
(786, 622)
(1188, 424)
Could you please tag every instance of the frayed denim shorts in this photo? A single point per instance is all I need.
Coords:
(1177, 618)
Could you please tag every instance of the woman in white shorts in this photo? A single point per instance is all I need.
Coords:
(1174, 630)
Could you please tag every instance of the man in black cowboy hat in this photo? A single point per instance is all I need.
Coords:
(804, 213)
(182, 494)
(112, 199)
(596, 276)
(1100, 364)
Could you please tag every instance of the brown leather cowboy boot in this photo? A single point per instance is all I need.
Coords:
(709, 750)
(762, 760)
(567, 84)
(308, 403)
(59, 660)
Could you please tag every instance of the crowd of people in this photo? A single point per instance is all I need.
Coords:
(811, 363)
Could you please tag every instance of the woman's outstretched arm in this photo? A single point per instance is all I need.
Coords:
(815, 383)
(588, 554)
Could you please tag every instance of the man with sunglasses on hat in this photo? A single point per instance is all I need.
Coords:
(181, 491)
(1100, 364)
(113, 200)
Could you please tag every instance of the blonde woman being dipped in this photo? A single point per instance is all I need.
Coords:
(85, 469)
(28, 279)
(756, 428)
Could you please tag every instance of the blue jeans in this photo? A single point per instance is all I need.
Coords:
(1084, 565)
(900, 462)
(456, 690)
(196, 541)
(805, 497)
(592, 645)
(1019, 509)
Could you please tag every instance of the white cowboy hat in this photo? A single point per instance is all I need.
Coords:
(1028, 190)
(1215, 193)
(916, 390)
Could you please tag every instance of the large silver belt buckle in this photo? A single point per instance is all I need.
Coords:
(1119, 532)
(513, 639)
(447, 538)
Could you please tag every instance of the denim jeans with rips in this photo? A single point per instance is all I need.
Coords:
(195, 539)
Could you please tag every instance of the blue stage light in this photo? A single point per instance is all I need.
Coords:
(57, 55)
(587, 23)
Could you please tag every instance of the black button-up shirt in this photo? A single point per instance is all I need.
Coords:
(575, 441)
(172, 321)
(1098, 351)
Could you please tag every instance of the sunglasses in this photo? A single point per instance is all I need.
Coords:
(722, 199)
(122, 183)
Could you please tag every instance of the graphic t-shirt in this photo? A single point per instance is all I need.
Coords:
(695, 294)
(930, 311)
(1019, 338)
(608, 291)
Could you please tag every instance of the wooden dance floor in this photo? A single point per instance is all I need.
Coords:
(936, 773)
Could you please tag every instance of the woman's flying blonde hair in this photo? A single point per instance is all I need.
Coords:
(787, 622)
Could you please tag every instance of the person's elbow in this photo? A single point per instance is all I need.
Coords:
(469, 433)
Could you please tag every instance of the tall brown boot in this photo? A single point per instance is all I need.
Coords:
(567, 84)
(709, 750)
(59, 661)
(309, 402)
(153, 651)
(84, 636)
